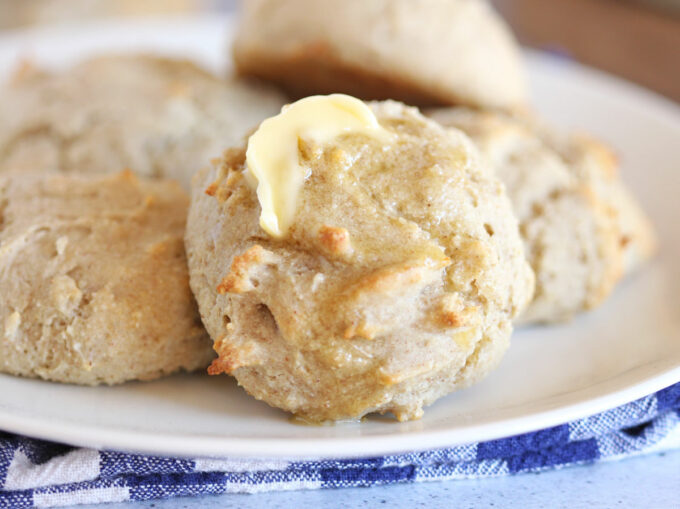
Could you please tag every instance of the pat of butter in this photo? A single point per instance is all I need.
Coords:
(272, 157)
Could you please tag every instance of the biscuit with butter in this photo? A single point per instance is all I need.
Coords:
(581, 227)
(353, 259)
(156, 116)
(429, 52)
(95, 288)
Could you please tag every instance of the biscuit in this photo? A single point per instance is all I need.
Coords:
(595, 165)
(156, 116)
(582, 229)
(396, 283)
(94, 280)
(432, 52)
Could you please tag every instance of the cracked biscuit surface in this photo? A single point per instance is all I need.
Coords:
(156, 116)
(94, 281)
(439, 52)
(396, 283)
(581, 227)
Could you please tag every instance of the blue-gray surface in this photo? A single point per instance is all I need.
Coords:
(651, 481)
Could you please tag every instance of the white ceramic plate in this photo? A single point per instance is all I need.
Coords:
(627, 348)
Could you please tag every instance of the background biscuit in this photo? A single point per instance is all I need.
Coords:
(434, 53)
(582, 229)
(156, 116)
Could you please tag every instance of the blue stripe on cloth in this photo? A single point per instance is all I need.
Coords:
(82, 486)
(433, 457)
(272, 477)
(204, 483)
(668, 398)
(176, 485)
(7, 449)
(279, 480)
(113, 464)
(169, 479)
(569, 453)
(537, 440)
(356, 477)
(462, 470)
(17, 500)
(339, 464)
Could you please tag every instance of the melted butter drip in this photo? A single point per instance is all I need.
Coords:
(272, 156)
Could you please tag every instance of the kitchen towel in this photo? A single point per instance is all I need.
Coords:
(36, 473)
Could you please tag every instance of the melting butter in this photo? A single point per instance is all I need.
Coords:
(272, 156)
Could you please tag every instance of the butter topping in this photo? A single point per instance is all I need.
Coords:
(273, 160)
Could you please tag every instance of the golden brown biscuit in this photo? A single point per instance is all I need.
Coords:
(430, 52)
(396, 283)
(94, 280)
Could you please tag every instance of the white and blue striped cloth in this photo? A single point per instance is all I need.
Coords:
(35, 473)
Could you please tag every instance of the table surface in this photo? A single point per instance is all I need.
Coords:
(651, 481)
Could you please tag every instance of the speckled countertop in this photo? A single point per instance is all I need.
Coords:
(651, 481)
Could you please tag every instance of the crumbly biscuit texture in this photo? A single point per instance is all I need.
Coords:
(159, 117)
(396, 283)
(434, 53)
(581, 227)
(94, 280)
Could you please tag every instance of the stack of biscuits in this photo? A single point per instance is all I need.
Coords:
(406, 264)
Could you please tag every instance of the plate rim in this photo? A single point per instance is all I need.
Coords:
(195, 446)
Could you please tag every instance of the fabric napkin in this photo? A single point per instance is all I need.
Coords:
(35, 473)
